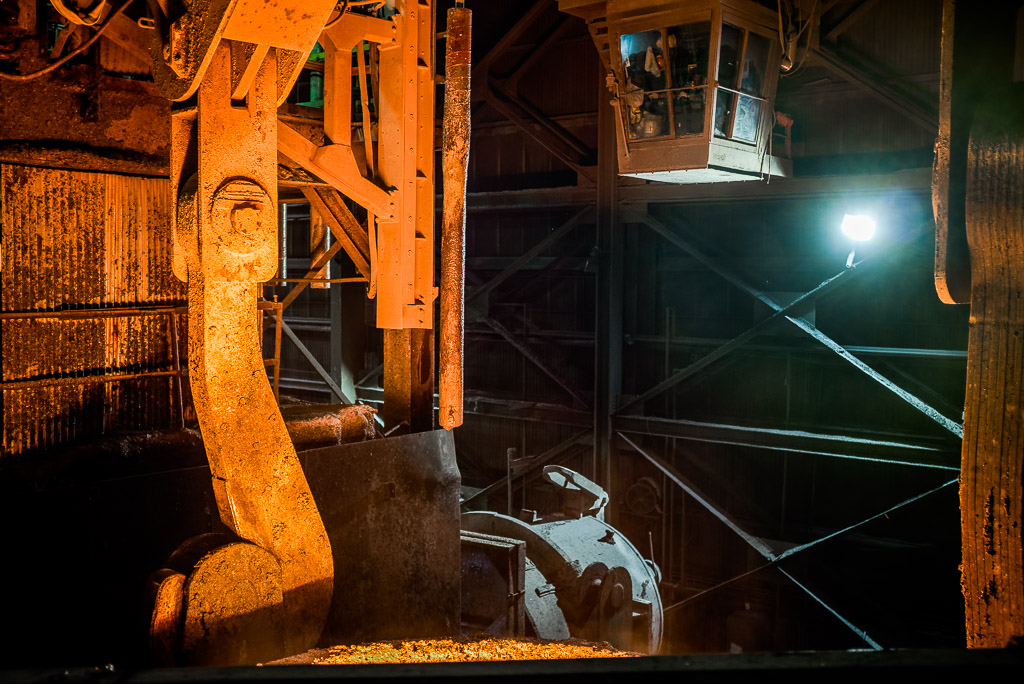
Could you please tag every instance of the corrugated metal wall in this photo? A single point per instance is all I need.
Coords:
(91, 252)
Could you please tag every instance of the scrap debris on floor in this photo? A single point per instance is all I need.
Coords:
(455, 650)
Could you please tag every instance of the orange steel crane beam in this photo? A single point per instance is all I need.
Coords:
(391, 175)
(228, 64)
(397, 191)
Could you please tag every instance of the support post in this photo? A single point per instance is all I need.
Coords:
(409, 379)
(453, 231)
(608, 338)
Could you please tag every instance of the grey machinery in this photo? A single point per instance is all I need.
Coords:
(564, 573)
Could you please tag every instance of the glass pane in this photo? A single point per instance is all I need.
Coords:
(643, 59)
(755, 61)
(689, 111)
(745, 126)
(688, 54)
(632, 109)
(652, 119)
(728, 57)
(723, 108)
(646, 115)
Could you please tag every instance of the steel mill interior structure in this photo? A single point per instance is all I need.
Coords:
(680, 327)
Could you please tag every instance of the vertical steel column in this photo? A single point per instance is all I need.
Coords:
(405, 244)
(453, 230)
(409, 379)
(608, 337)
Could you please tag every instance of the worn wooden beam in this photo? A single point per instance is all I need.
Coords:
(518, 30)
(530, 356)
(925, 116)
(849, 19)
(534, 127)
(513, 268)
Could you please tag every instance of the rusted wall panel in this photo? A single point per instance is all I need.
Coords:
(72, 241)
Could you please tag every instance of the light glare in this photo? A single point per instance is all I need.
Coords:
(858, 227)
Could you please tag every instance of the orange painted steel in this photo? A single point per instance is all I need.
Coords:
(276, 309)
(397, 190)
(239, 61)
(327, 204)
(405, 242)
(455, 158)
(181, 49)
(392, 178)
(267, 595)
(225, 245)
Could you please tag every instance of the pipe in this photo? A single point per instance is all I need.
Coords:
(455, 156)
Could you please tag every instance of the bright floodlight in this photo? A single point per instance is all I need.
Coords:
(858, 227)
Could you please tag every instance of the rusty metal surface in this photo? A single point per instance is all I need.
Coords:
(408, 380)
(78, 116)
(314, 426)
(96, 247)
(119, 509)
(183, 46)
(236, 608)
(224, 172)
(991, 498)
(112, 510)
(168, 607)
(976, 198)
(124, 48)
(455, 159)
(393, 506)
(977, 56)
